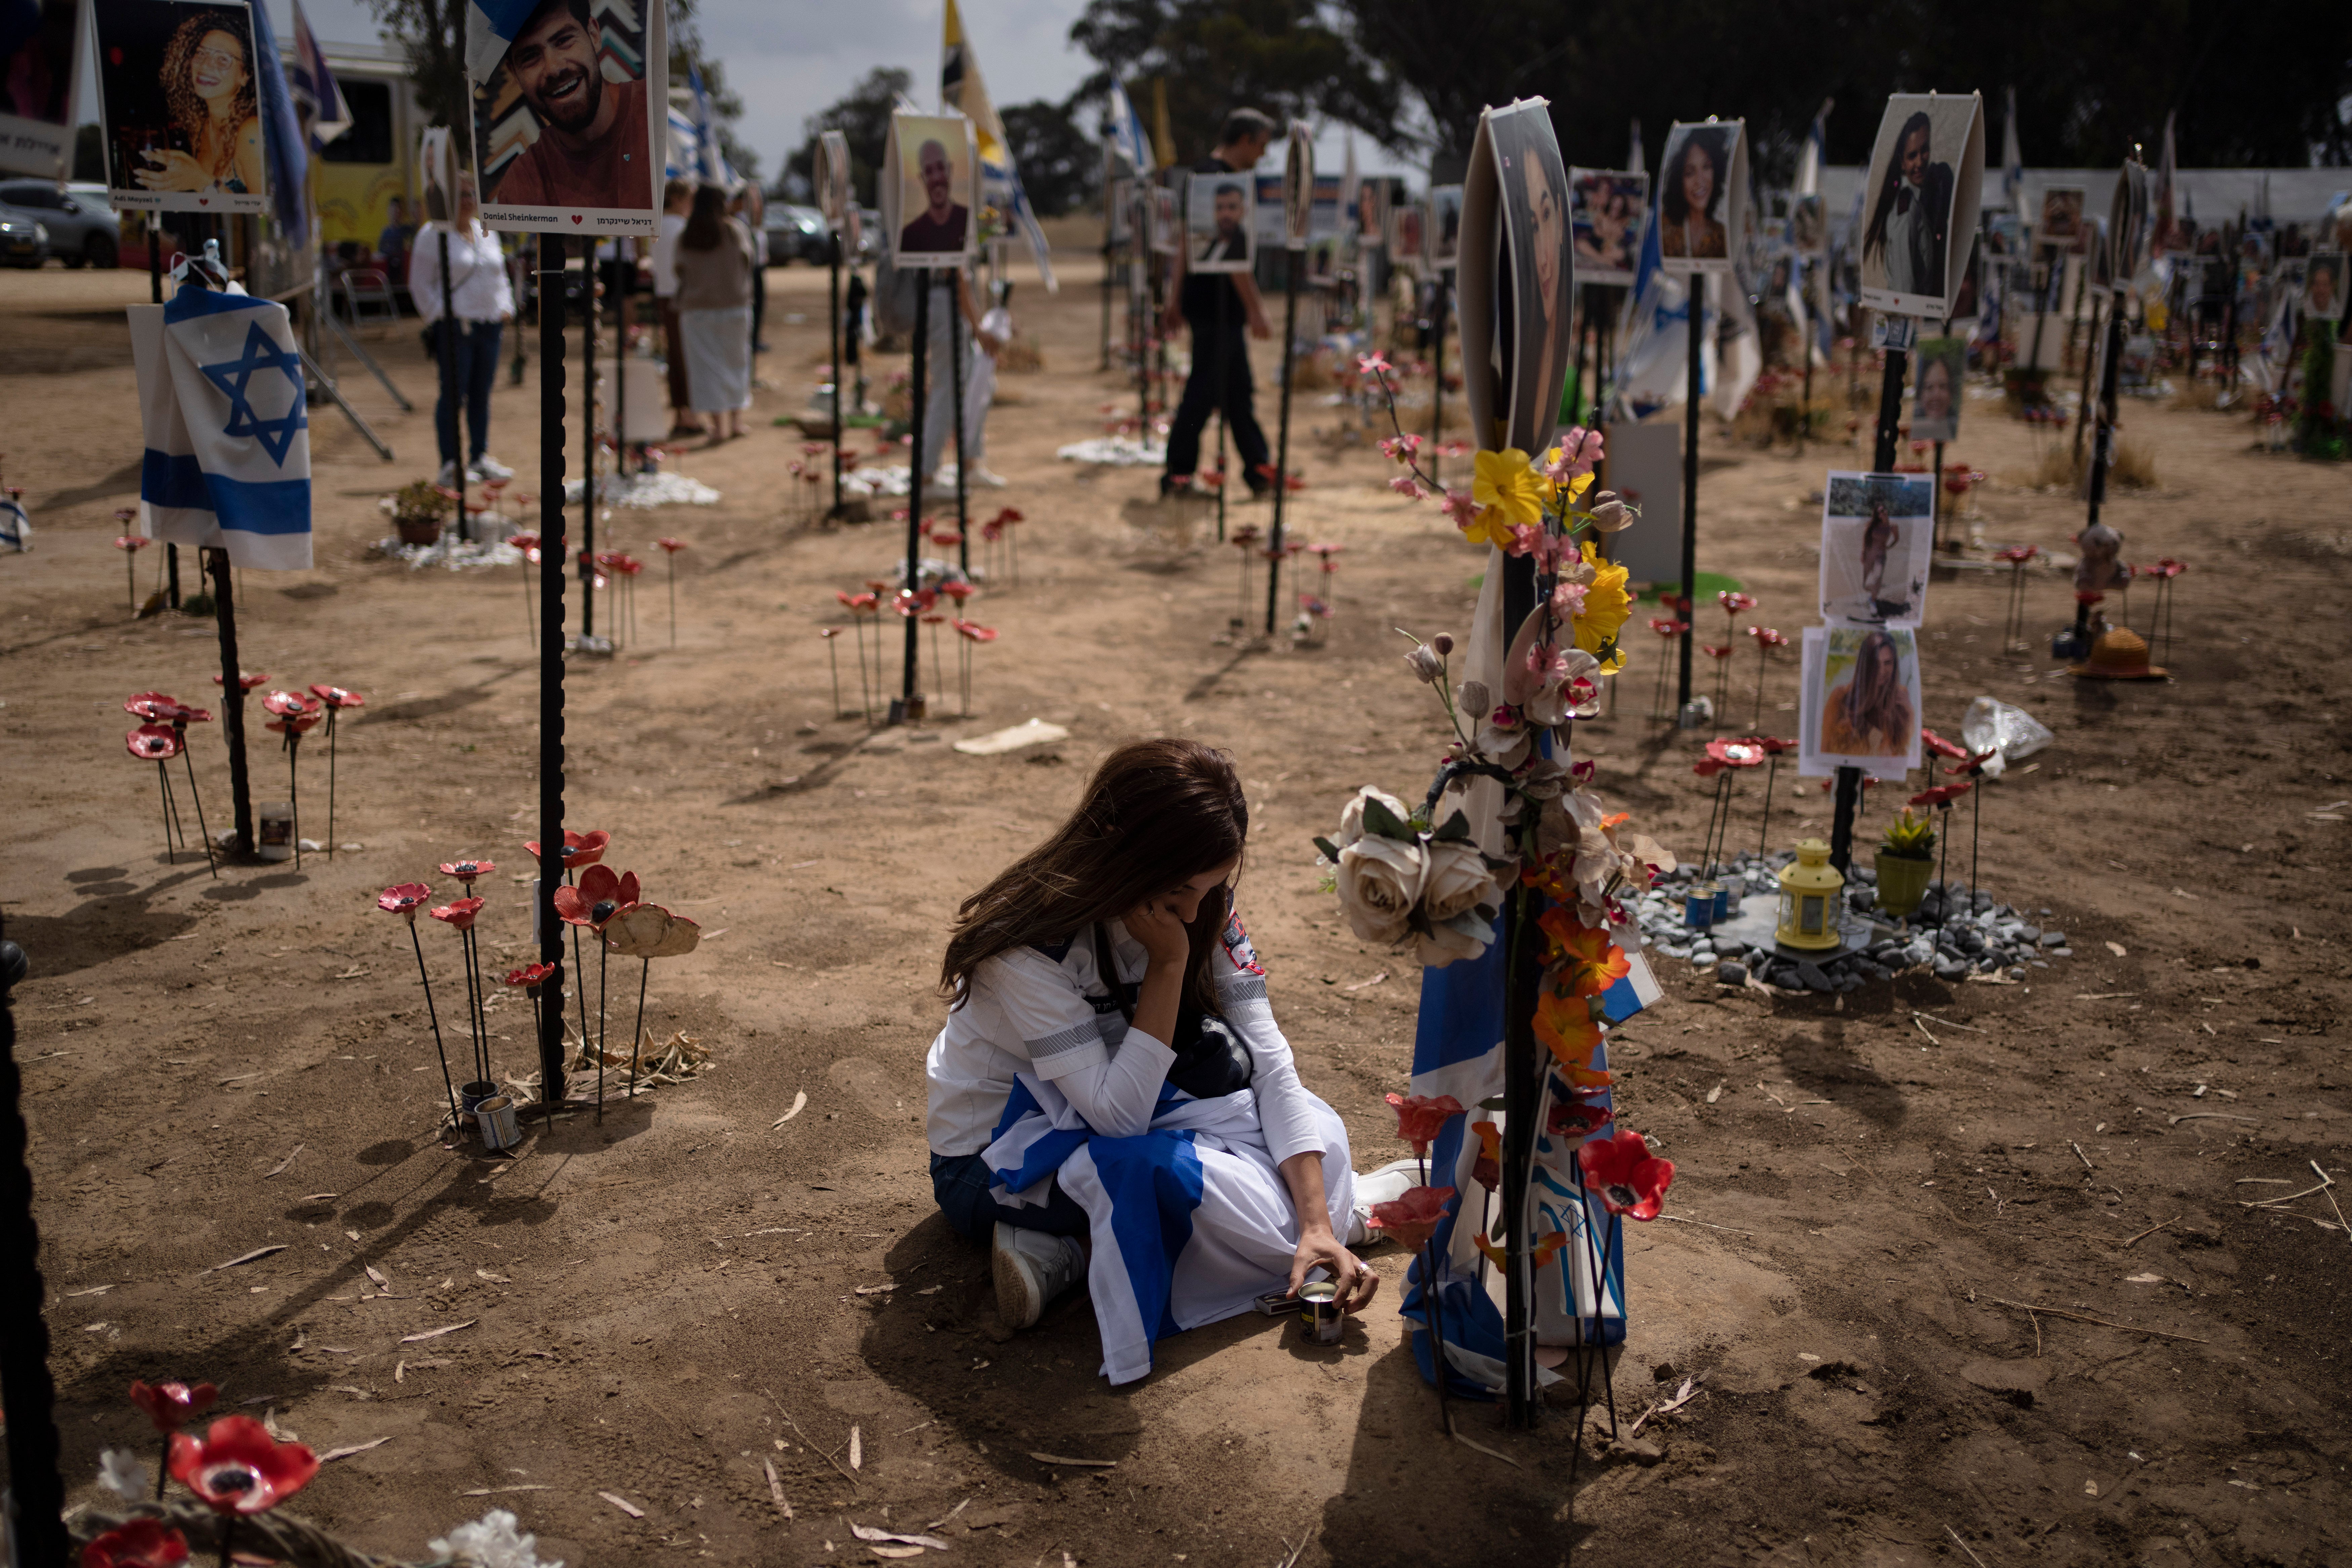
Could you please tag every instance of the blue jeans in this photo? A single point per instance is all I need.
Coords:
(467, 374)
(961, 1183)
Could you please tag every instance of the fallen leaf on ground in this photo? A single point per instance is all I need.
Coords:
(624, 1504)
(280, 1168)
(869, 1533)
(493, 1278)
(436, 1334)
(878, 1289)
(857, 1450)
(356, 1448)
(2118, 948)
(776, 1488)
(247, 1258)
(800, 1103)
(1064, 1459)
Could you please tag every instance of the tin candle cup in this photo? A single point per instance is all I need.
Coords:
(1321, 1311)
(495, 1119)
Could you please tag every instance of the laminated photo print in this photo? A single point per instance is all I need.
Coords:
(1517, 279)
(2061, 218)
(180, 107)
(1606, 209)
(1702, 197)
(1407, 223)
(1445, 223)
(1217, 232)
(2323, 286)
(931, 176)
(1808, 228)
(1371, 204)
(1167, 234)
(831, 177)
(1878, 535)
(1919, 206)
(571, 107)
(1859, 703)
(1938, 366)
(37, 76)
(1297, 187)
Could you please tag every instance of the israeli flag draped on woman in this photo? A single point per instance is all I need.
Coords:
(227, 462)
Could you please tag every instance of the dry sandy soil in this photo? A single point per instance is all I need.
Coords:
(660, 1306)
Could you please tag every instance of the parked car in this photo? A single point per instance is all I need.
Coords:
(23, 238)
(83, 229)
(870, 246)
(797, 233)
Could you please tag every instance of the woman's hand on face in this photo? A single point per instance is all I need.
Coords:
(1156, 924)
(1320, 1248)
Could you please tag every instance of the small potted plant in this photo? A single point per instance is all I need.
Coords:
(1906, 853)
(417, 511)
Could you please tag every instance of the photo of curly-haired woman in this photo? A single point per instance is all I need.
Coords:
(180, 104)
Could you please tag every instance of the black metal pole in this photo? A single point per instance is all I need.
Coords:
(1689, 589)
(956, 381)
(1437, 364)
(908, 705)
(155, 296)
(39, 1492)
(840, 430)
(240, 785)
(2103, 410)
(624, 272)
(587, 440)
(544, 921)
(1224, 373)
(1805, 324)
(1882, 460)
(1282, 456)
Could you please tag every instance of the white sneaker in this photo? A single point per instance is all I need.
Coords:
(448, 480)
(488, 468)
(1385, 1186)
(1032, 1268)
(988, 477)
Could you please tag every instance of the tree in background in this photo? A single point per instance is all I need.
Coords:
(1215, 56)
(1059, 159)
(863, 120)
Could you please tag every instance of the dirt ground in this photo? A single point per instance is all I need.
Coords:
(657, 1308)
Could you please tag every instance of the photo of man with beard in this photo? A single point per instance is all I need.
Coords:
(593, 149)
(940, 227)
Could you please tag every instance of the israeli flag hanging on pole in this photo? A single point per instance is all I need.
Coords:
(1127, 137)
(227, 462)
(710, 163)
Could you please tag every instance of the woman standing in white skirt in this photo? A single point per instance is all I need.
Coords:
(717, 259)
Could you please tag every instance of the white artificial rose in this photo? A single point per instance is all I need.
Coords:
(1351, 816)
(1463, 937)
(1459, 881)
(1379, 881)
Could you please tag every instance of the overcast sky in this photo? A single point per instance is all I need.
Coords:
(790, 61)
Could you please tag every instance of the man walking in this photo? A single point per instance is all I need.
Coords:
(1219, 307)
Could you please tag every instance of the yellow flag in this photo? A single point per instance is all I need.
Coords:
(962, 89)
(1159, 131)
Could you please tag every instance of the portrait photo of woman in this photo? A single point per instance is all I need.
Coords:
(1935, 396)
(1605, 220)
(1870, 709)
(181, 108)
(1535, 195)
(1877, 538)
(1691, 196)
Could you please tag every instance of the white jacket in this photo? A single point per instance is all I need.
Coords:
(484, 293)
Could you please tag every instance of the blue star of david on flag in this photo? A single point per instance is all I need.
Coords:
(233, 376)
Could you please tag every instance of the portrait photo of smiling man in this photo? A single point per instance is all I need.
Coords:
(563, 130)
(930, 205)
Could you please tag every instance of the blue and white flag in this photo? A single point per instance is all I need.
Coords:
(711, 165)
(283, 142)
(490, 28)
(2012, 160)
(1127, 137)
(227, 463)
(318, 99)
(16, 525)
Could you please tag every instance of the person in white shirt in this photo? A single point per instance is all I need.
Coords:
(478, 309)
(677, 203)
(1105, 978)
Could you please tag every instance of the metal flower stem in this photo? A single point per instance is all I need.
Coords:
(294, 789)
(1976, 839)
(1943, 871)
(474, 1020)
(164, 783)
(673, 610)
(1764, 828)
(331, 782)
(431, 1013)
(963, 662)
(833, 658)
(163, 1470)
(228, 1529)
(1763, 662)
(202, 830)
(1437, 1325)
(131, 578)
(604, 962)
(1596, 1352)
(481, 990)
(939, 670)
(645, 969)
(530, 620)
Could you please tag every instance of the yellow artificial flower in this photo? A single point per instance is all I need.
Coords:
(1511, 491)
(1607, 606)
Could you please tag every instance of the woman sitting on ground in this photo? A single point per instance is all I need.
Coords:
(1110, 1070)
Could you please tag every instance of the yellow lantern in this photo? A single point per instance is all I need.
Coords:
(1809, 899)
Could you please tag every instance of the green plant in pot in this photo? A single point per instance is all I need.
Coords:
(418, 509)
(1906, 853)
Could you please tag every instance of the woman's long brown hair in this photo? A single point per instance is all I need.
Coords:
(1156, 814)
(187, 109)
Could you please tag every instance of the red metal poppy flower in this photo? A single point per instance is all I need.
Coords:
(1768, 636)
(459, 913)
(467, 871)
(529, 975)
(160, 707)
(946, 537)
(1735, 602)
(580, 850)
(1942, 795)
(1420, 1119)
(1974, 765)
(602, 894)
(1940, 746)
(1410, 1220)
(1713, 652)
(1666, 628)
(1576, 1118)
(1774, 745)
(670, 546)
(290, 704)
(2018, 555)
(336, 697)
(136, 1543)
(973, 631)
(238, 1467)
(649, 931)
(1730, 753)
(403, 899)
(296, 724)
(1242, 537)
(132, 541)
(248, 681)
(1624, 1175)
(2168, 568)
(153, 742)
(858, 604)
(959, 591)
(170, 1406)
